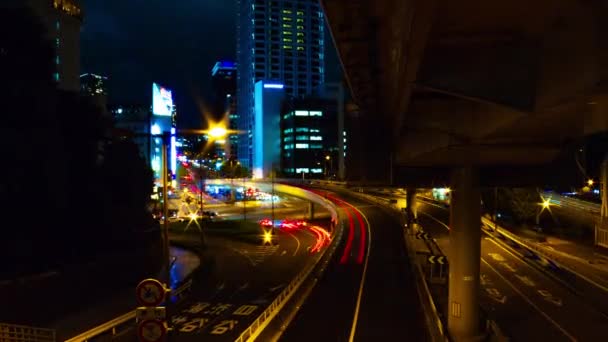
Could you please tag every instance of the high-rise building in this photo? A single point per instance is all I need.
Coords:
(134, 121)
(310, 137)
(223, 80)
(94, 87)
(62, 19)
(267, 134)
(278, 40)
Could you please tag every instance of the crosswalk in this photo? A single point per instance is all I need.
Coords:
(257, 254)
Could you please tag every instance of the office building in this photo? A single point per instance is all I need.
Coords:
(134, 121)
(266, 149)
(277, 40)
(95, 87)
(62, 20)
(223, 81)
(309, 138)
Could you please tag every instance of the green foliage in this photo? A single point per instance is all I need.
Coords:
(522, 202)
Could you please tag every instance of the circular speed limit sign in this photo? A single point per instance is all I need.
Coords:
(151, 331)
(150, 292)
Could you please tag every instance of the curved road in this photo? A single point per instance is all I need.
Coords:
(367, 292)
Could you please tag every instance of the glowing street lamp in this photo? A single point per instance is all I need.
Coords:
(218, 132)
(590, 182)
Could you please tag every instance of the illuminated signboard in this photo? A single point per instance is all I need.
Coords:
(162, 101)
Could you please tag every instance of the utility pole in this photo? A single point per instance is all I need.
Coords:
(202, 185)
(165, 234)
(272, 195)
(244, 200)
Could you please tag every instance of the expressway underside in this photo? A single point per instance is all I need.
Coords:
(507, 90)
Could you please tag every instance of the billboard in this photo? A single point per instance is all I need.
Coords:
(162, 101)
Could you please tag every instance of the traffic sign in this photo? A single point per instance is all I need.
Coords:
(422, 235)
(151, 331)
(151, 313)
(436, 259)
(150, 292)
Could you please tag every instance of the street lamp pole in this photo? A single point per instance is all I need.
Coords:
(165, 229)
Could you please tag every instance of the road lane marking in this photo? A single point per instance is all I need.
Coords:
(549, 297)
(526, 280)
(351, 235)
(497, 257)
(297, 241)
(547, 317)
(358, 306)
(436, 220)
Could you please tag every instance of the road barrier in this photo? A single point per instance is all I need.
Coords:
(112, 327)
(23, 333)
(251, 332)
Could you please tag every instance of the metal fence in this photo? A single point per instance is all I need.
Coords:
(22, 333)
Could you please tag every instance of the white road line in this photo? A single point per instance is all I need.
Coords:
(358, 306)
(547, 317)
(436, 220)
(297, 241)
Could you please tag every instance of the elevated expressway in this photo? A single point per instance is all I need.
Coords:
(470, 93)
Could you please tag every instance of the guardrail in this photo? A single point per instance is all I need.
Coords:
(436, 327)
(564, 201)
(23, 333)
(107, 327)
(251, 332)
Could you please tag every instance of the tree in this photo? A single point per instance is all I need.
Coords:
(522, 202)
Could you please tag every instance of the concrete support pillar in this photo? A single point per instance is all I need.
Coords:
(464, 256)
(604, 189)
(311, 210)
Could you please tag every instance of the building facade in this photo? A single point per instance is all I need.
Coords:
(277, 40)
(223, 81)
(134, 121)
(95, 87)
(309, 138)
(62, 20)
(269, 98)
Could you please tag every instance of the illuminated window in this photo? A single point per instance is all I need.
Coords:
(316, 137)
(300, 20)
(56, 76)
(57, 42)
(316, 146)
(287, 40)
(302, 169)
(316, 113)
(287, 33)
(302, 137)
(300, 13)
(317, 170)
(301, 146)
(289, 138)
(301, 41)
(301, 129)
(287, 131)
(57, 61)
(314, 130)
(289, 147)
(286, 25)
(287, 11)
(287, 47)
(286, 19)
(300, 33)
(300, 48)
(301, 113)
(300, 27)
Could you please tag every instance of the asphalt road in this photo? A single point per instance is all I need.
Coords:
(367, 292)
(527, 304)
(243, 281)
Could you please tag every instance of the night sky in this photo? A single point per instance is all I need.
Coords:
(175, 43)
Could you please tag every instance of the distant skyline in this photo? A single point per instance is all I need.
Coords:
(138, 42)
